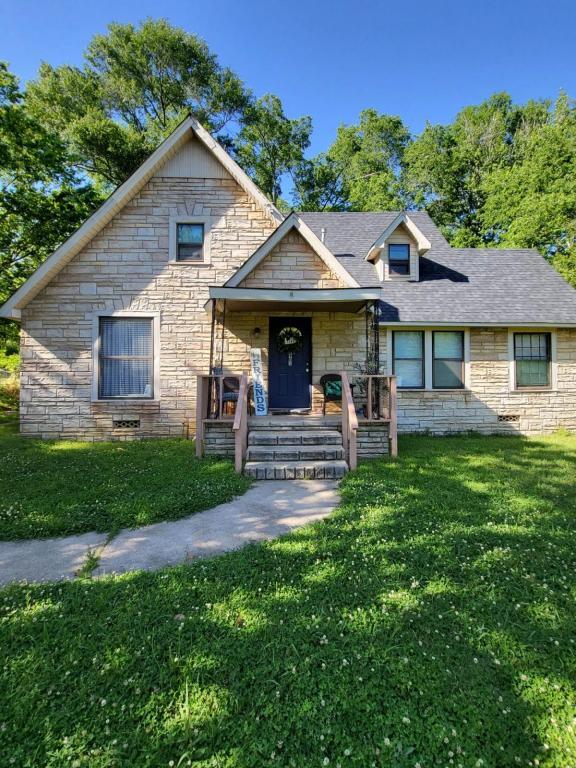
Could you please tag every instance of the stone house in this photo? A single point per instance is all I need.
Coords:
(143, 322)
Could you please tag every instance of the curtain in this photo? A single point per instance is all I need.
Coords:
(126, 357)
(408, 358)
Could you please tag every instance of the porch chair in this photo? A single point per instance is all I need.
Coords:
(331, 384)
(230, 392)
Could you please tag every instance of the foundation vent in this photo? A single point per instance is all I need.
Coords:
(126, 423)
(508, 418)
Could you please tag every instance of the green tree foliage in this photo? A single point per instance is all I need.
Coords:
(270, 145)
(532, 202)
(502, 175)
(136, 84)
(362, 170)
(447, 165)
(42, 200)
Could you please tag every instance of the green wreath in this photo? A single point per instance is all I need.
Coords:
(290, 340)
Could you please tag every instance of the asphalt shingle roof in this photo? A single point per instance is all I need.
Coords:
(456, 285)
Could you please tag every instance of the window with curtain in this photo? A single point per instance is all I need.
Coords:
(532, 356)
(126, 357)
(190, 242)
(408, 359)
(448, 359)
(399, 258)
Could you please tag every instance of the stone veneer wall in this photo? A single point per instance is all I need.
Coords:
(337, 344)
(489, 395)
(219, 439)
(292, 264)
(126, 267)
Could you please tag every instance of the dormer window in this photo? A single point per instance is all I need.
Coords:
(399, 258)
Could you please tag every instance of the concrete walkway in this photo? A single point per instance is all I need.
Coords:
(267, 510)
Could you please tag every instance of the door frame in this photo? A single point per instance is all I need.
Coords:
(286, 319)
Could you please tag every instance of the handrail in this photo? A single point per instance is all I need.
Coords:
(349, 423)
(240, 425)
(393, 415)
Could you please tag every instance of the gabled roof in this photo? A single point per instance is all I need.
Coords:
(350, 235)
(293, 221)
(401, 219)
(120, 197)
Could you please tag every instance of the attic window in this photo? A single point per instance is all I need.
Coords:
(190, 241)
(399, 258)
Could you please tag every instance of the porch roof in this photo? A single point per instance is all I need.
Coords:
(285, 299)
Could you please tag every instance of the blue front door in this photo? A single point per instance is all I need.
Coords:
(289, 375)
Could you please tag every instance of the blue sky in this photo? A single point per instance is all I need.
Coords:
(331, 59)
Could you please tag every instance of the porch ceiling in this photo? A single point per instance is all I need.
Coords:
(280, 299)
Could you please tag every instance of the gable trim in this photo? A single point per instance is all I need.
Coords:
(421, 240)
(11, 309)
(293, 221)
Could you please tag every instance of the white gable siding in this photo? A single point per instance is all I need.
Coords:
(193, 160)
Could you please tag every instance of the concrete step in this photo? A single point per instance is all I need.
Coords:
(278, 423)
(295, 470)
(294, 437)
(284, 453)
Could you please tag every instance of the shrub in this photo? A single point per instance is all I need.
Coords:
(9, 393)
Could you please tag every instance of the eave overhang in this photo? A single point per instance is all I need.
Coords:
(305, 299)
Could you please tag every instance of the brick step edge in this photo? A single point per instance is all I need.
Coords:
(296, 470)
(288, 453)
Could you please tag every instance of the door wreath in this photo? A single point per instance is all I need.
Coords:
(289, 341)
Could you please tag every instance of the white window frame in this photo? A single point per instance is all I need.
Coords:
(428, 357)
(553, 360)
(155, 317)
(173, 239)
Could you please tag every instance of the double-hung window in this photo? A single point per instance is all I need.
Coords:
(408, 359)
(125, 357)
(448, 359)
(532, 354)
(189, 241)
(399, 258)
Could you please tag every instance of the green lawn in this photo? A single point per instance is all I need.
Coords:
(58, 488)
(430, 621)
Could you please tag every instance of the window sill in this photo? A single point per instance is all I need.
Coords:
(532, 390)
(190, 263)
(127, 402)
(465, 390)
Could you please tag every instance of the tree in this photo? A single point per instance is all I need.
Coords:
(136, 84)
(447, 165)
(370, 157)
(42, 200)
(532, 202)
(362, 170)
(270, 145)
(318, 185)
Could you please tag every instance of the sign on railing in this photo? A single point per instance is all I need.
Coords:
(260, 396)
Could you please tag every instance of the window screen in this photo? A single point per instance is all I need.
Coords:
(126, 360)
(408, 359)
(532, 356)
(448, 360)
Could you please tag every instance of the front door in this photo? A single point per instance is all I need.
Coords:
(289, 373)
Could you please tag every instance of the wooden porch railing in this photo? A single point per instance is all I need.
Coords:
(378, 403)
(209, 403)
(241, 424)
(349, 423)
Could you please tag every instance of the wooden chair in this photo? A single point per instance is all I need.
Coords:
(331, 384)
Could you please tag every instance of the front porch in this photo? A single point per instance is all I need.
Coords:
(326, 402)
